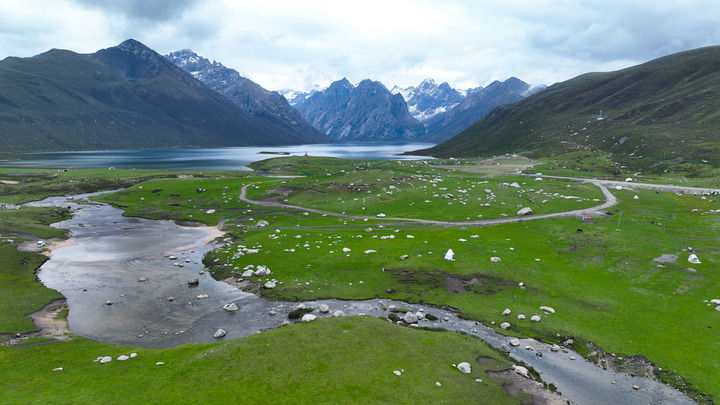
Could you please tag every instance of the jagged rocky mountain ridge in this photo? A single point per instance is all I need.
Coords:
(126, 96)
(429, 99)
(428, 112)
(368, 112)
(267, 106)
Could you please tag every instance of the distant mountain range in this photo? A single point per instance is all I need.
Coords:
(651, 114)
(369, 112)
(126, 96)
(269, 107)
(429, 99)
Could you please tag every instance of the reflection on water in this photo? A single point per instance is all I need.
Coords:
(231, 158)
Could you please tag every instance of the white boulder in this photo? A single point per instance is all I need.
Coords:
(464, 367)
(535, 318)
(269, 285)
(495, 259)
(507, 311)
(123, 357)
(248, 273)
(231, 307)
(105, 359)
(308, 318)
(219, 333)
(449, 255)
(338, 314)
(694, 259)
(410, 318)
(323, 309)
(525, 211)
(505, 325)
(521, 370)
(547, 309)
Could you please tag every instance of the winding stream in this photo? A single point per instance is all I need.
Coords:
(109, 254)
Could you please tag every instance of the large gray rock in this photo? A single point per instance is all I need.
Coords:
(505, 325)
(219, 333)
(338, 314)
(525, 211)
(231, 307)
(323, 309)
(308, 318)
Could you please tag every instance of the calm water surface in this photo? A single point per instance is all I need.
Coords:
(231, 158)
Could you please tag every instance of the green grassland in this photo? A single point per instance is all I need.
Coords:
(298, 364)
(599, 275)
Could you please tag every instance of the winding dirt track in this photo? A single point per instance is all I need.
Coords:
(610, 200)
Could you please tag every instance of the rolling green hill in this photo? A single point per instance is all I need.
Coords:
(126, 96)
(648, 115)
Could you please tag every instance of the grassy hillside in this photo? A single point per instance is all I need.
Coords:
(654, 114)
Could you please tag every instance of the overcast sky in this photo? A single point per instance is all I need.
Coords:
(295, 44)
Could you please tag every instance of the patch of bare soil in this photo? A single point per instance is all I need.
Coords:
(517, 384)
(50, 323)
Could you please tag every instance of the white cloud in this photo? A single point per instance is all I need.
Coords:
(295, 44)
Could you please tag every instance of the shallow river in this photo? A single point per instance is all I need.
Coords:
(109, 255)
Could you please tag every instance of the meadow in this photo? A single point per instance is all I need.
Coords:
(606, 277)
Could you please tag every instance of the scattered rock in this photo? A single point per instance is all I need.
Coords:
(133, 355)
(525, 211)
(521, 370)
(535, 318)
(269, 285)
(635, 387)
(410, 318)
(323, 309)
(108, 302)
(346, 250)
(404, 257)
(202, 296)
(547, 309)
(171, 299)
(521, 317)
(193, 281)
(248, 273)
(105, 359)
(142, 279)
(308, 318)
(514, 342)
(505, 325)
(397, 373)
(694, 259)
(219, 333)
(495, 259)
(438, 383)
(555, 348)
(449, 255)
(231, 307)
(507, 311)
(338, 314)
(262, 223)
(58, 369)
(367, 252)
(504, 348)
(123, 357)
(464, 367)
(210, 211)
(272, 313)
(160, 363)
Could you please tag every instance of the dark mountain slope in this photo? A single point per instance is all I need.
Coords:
(665, 109)
(126, 96)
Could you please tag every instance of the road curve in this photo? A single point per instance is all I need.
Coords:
(610, 200)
